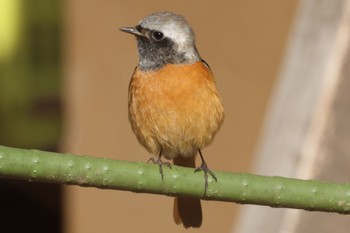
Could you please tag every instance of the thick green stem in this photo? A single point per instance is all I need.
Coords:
(34, 165)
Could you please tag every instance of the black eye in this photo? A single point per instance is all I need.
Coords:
(138, 28)
(157, 36)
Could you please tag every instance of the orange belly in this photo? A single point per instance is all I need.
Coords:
(176, 109)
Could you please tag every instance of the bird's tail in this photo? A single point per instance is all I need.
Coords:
(187, 210)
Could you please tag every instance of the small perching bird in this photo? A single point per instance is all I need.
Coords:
(175, 109)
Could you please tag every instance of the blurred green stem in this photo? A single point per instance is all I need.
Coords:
(34, 165)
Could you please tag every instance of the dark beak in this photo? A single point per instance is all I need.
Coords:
(131, 30)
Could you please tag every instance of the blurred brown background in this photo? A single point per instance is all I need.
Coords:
(243, 41)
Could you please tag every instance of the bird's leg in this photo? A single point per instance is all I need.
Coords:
(206, 170)
(160, 163)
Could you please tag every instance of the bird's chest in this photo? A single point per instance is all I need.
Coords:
(173, 94)
(177, 110)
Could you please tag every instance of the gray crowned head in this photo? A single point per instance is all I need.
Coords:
(164, 38)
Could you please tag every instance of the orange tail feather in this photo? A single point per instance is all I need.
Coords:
(187, 210)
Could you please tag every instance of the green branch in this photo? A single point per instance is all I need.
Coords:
(34, 165)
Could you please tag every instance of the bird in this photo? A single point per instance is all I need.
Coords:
(174, 107)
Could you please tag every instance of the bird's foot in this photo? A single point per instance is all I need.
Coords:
(160, 164)
(206, 170)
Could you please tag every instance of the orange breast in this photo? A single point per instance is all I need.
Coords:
(176, 108)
